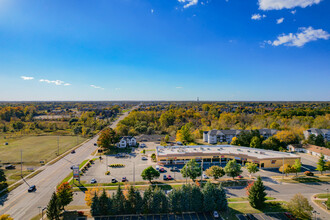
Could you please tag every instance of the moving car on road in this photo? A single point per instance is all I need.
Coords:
(93, 180)
(73, 151)
(10, 167)
(32, 188)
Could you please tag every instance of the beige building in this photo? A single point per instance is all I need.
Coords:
(221, 154)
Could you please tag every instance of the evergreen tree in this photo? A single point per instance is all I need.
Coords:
(147, 200)
(319, 140)
(174, 199)
(197, 199)
(104, 204)
(53, 208)
(95, 211)
(221, 199)
(321, 164)
(209, 197)
(118, 202)
(130, 204)
(186, 198)
(257, 194)
(2, 176)
(139, 202)
(233, 169)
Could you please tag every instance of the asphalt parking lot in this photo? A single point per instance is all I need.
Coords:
(263, 216)
(185, 216)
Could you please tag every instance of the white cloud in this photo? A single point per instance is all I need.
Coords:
(281, 4)
(293, 12)
(179, 87)
(279, 21)
(301, 38)
(188, 3)
(96, 87)
(117, 89)
(257, 16)
(56, 82)
(27, 77)
(152, 11)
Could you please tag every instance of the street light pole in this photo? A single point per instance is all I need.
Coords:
(21, 163)
(58, 145)
(283, 169)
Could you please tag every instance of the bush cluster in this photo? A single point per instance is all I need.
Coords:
(116, 165)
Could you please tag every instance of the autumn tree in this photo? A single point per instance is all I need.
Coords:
(297, 166)
(184, 134)
(215, 172)
(286, 168)
(107, 138)
(64, 194)
(5, 217)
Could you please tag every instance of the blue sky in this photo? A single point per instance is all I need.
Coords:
(165, 50)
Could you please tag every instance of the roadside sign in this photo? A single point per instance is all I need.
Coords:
(75, 172)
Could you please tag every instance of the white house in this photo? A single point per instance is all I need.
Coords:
(310, 149)
(324, 132)
(215, 136)
(126, 141)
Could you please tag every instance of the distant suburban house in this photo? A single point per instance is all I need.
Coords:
(126, 141)
(215, 136)
(310, 149)
(324, 132)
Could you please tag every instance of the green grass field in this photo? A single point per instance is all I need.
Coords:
(35, 148)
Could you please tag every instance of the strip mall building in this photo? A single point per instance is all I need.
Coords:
(222, 154)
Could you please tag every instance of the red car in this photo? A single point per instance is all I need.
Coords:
(162, 170)
(169, 177)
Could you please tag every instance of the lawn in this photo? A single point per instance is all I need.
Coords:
(239, 199)
(244, 208)
(323, 195)
(35, 148)
(302, 179)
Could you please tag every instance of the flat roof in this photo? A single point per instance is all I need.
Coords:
(216, 150)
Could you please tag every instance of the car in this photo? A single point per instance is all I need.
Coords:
(162, 170)
(289, 215)
(174, 169)
(164, 177)
(144, 158)
(95, 144)
(205, 177)
(169, 177)
(32, 188)
(157, 167)
(123, 179)
(73, 152)
(10, 167)
(143, 145)
(93, 181)
(113, 180)
(215, 214)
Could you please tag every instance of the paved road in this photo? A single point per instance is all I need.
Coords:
(22, 205)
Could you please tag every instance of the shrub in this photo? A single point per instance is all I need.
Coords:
(116, 165)
(308, 173)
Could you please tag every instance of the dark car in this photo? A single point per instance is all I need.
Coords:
(73, 151)
(124, 179)
(164, 177)
(174, 169)
(32, 188)
(95, 144)
(114, 180)
(10, 167)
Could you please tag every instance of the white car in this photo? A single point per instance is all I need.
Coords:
(215, 214)
(93, 181)
(205, 177)
(157, 167)
(144, 158)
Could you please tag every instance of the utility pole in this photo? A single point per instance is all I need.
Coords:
(106, 162)
(21, 163)
(283, 169)
(58, 145)
(134, 173)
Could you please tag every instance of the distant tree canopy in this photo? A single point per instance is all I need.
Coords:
(108, 138)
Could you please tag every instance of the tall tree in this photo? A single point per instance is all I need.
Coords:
(147, 200)
(174, 198)
(233, 169)
(2, 176)
(107, 138)
(149, 174)
(319, 140)
(297, 166)
(64, 194)
(321, 166)
(286, 168)
(221, 202)
(252, 167)
(300, 207)
(104, 204)
(53, 208)
(256, 142)
(209, 197)
(95, 208)
(257, 194)
(184, 134)
(215, 172)
(118, 202)
(197, 199)
(191, 170)
(186, 199)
